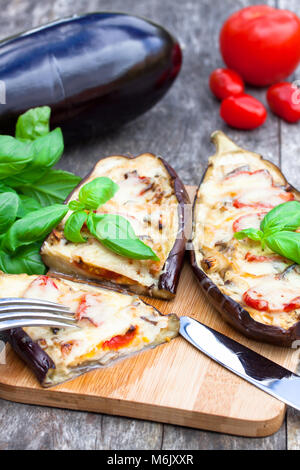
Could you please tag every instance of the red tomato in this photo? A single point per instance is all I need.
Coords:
(243, 112)
(225, 82)
(261, 43)
(120, 341)
(284, 100)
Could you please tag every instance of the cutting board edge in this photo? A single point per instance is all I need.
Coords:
(143, 411)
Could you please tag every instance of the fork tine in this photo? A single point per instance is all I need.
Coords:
(17, 323)
(33, 309)
(24, 301)
(29, 314)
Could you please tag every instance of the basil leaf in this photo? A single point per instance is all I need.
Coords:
(33, 227)
(76, 206)
(26, 205)
(286, 244)
(14, 156)
(116, 233)
(6, 189)
(73, 227)
(25, 260)
(92, 221)
(52, 188)
(9, 203)
(47, 151)
(97, 192)
(34, 123)
(252, 233)
(285, 216)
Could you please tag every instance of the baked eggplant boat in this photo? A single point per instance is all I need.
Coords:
(112, 325)
(152, 198)
(255, 290)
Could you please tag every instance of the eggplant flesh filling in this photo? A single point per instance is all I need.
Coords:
(238, 189)
(148, 199)
(112, 324)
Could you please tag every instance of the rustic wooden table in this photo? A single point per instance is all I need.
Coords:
(178, 128)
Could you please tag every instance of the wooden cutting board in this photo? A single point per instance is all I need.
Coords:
(173, 383)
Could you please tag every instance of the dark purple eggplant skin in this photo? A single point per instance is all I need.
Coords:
(95, 71)
(168, 281)
(232, 312)
(30, 352)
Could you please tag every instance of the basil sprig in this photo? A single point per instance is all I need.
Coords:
(97, 192)
(14, 156)
(34, 227)
(33, 124)
(113, 231)
(73, 226)
(26, 259)
(31, 196)
(9, 204)
(116, 233)
(277, 231)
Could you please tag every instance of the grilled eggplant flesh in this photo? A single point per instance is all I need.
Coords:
(152, 198)
(255, 290)
(112, 325)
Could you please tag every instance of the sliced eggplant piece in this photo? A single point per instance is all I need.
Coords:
(152, 198)
(96, 71)
(243, 282)
(112, 325)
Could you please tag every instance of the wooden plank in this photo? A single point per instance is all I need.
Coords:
(290, 151)
(149, 385)
(178, 128)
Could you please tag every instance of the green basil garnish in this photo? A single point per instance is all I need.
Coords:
(33, 227)
(9, 204)
(116, 233)
(73, 226)
(76, 206)
(14, 156)
(286, 244)
(54, 187)
(27, 260)
(285, 216)
(26, 205)
(97, 192)
(47, 151)
(277, 231)
(252, 233)
(33, 124)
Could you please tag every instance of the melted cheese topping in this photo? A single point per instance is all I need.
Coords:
(147, 199)
(101, 314)
(238, 190)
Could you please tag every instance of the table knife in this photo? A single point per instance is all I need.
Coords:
(242, 361)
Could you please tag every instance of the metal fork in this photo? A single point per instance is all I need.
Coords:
(18, 312)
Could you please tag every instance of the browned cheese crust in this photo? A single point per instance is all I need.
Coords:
(152, 198)
(253, 289)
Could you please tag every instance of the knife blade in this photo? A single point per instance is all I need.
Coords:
(246, 363)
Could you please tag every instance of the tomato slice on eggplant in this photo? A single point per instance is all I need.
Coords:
(254, 290)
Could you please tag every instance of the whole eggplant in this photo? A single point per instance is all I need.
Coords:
(95, 71)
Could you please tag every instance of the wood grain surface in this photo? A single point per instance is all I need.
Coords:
(178, 128)
(173, 383)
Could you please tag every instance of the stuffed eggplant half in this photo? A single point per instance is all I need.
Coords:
(254, 289)
(111, 325)
(152, 198)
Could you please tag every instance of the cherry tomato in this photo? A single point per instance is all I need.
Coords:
(225, 82)
(261, 43)
(284, 100)
(243, 112)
